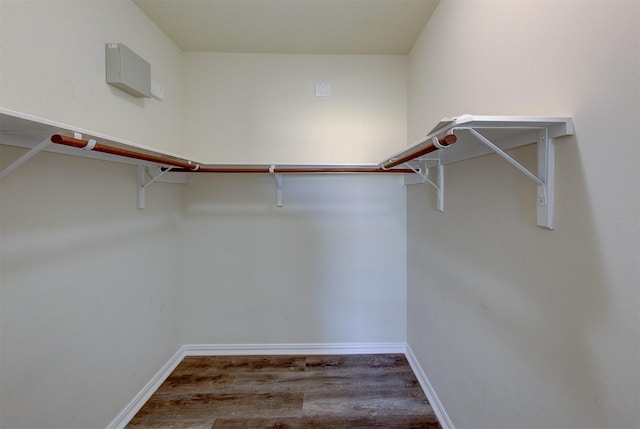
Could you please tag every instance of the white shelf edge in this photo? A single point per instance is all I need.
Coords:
(482, 135)
(33, 130)
(43, 125)
(463, 149)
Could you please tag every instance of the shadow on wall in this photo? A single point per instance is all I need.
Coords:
(528, 302)
(51, 216)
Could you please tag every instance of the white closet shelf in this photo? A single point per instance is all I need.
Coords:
(27, 131)
(506, 132)
(482, 135)
(451, 140)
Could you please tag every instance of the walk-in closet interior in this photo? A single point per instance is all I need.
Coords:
(455, 181)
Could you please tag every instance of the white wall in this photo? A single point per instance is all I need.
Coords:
(327, 267)
(93, 290)
(53, 66)
(515, 326)
(90, 308)
(254, 108)
(330, 265)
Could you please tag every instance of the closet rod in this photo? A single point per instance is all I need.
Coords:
(431, 146)
(185, 166)
(99, 147)
(287, 170)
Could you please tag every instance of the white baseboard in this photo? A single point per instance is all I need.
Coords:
(143, 396)
(443, 418)
(275, 349)
(291, 349)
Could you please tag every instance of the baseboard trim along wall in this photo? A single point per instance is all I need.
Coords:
(442, 415)
(143, 396)
(291, 349)
(278, 349)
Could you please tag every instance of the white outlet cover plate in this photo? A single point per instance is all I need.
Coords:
(323, 89)
(157, 91)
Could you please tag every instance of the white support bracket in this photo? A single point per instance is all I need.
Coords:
(423, 173)
(440, 187)
(142, 176)
(279, 202)
(25, 157)
(142, 183)
(545, 178)
(278, 177)
(546, 174)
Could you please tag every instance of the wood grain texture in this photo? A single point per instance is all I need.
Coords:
(255, 392)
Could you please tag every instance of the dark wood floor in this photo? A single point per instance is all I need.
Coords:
(343, 391)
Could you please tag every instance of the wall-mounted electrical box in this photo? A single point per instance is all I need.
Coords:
(127, 71)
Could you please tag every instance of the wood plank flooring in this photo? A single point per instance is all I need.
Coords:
(297, 392)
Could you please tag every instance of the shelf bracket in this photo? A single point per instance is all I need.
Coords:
(25, 157)
(278, 177)
(142, 177)
(157, 176)
(423, 173)
(545, 177)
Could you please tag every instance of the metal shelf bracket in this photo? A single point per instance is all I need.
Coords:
(160, 174)
(481, 135)
(25, 157)
(423, 174)
(142, 176)
(545, 177)
(279, 193)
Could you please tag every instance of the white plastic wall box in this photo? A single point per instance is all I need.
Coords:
(127, 71)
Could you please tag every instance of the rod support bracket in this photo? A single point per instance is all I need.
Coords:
(279, 193)
(278, 177)
(142, 176)
(423, 173)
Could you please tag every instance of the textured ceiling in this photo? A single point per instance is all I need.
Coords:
(291, 26)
